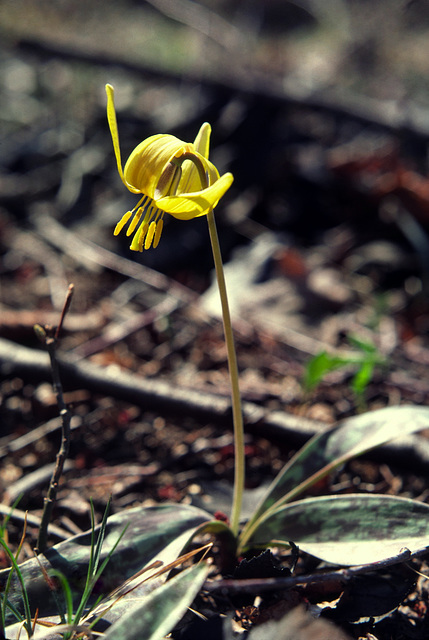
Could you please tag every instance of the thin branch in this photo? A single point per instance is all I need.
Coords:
(30, 481)
(341, 576)
(66, 307)
(410, 452)
(65, 414)
(150, 394)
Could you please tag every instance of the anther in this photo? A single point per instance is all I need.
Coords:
(159, 226)
(122, 222)
(142, 236)
(150, 234)
(137, 242)
(135, 221)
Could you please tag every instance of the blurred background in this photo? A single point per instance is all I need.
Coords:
(319, 108)
(283, 84)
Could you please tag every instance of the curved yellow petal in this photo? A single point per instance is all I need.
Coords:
(202, 141)
(113, 126)
(212, 173)
(202, 146)
(190, 181)
(192, 205)
(173, 176)
(149, 160)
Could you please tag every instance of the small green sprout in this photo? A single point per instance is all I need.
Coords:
(364, 362)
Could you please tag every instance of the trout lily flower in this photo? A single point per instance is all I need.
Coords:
(173, 177)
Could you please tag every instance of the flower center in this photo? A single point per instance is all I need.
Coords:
(169, 181)
(150, 229)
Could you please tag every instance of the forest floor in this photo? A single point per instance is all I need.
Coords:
(325, 236)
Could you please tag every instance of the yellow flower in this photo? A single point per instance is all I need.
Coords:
(173, 176)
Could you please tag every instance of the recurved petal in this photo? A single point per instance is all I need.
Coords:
(146, 163)
(202, 141)
(212, 172)
(113, 126)
(190, 181)
(193, 205)
(202, 146)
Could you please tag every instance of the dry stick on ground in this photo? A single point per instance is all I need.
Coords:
(32, 520)
(340, 576)
(31, 481)
(51, 341)
(411, 452)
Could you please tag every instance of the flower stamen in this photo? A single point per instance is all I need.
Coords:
(137, 211)
(139, 208)
(150, 234)
(134, 222)
(137, 243)
(159, 227)
(122, 222)
(150, 228)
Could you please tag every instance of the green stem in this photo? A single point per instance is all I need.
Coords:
(237, 414)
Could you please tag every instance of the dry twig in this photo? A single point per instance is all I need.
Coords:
(50, 341)
(160, 396)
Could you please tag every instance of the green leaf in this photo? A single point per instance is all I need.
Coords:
(23, 592)
(319, 366)
(148, 532)
(326, 451)
(155, 615)
(350, 529)
(363, 377)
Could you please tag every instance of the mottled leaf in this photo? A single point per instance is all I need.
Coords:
(151, 577)
(326, 451)
(149, 531)
(349, 529)
(155, 615)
